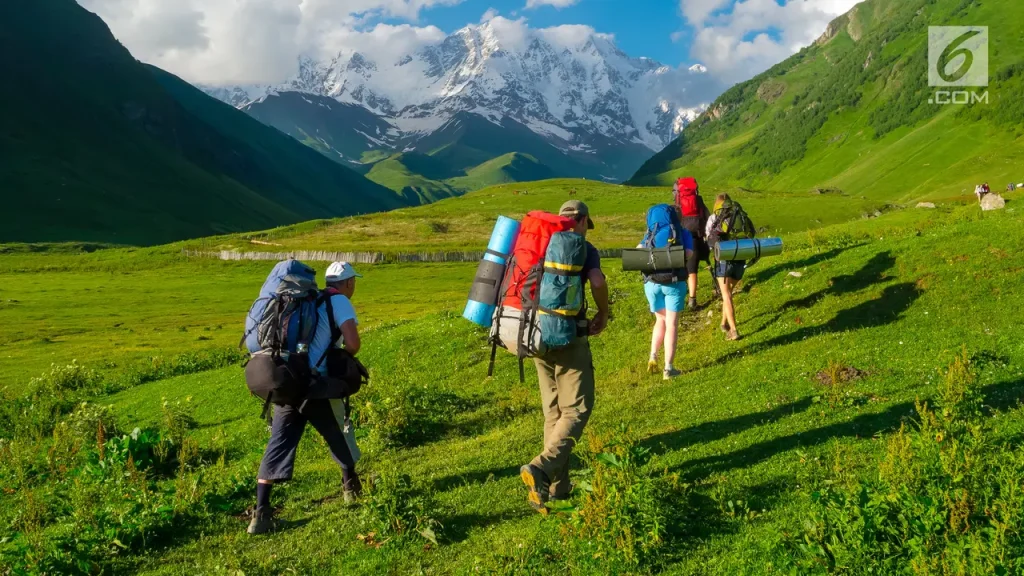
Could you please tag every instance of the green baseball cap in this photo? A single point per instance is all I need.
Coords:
(574, 209)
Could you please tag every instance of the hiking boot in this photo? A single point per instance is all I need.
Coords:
(670, 373)
(652, 367)
(537, 482)
(692, 305)
(353, 488)
(262, 522)
(733, 335)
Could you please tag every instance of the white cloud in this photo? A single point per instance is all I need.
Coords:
(489, 15)
(531, 4)
(740, 39)
(256, 41)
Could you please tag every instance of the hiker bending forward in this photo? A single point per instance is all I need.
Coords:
(566, 378)
(328, 416)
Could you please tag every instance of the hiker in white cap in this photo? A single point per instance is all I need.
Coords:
(336, 329)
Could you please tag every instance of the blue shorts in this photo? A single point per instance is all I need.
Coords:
(730, 269)
(671, 297)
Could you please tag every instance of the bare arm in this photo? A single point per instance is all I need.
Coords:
(350, 334)
(599, 288)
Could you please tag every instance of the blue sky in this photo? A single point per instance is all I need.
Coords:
(645, 28)
(260, 41)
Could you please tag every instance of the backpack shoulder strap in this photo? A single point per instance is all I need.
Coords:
(325, 299)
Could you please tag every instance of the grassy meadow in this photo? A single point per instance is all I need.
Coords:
(465, 223)
(868, 422)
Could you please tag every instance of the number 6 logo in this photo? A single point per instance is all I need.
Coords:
(958, 56)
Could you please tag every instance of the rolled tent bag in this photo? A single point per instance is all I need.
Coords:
(561, 288)
(747, 249)
(650, 260)
(483, 295)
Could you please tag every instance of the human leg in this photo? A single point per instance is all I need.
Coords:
(278, 463)
(671, 338)
(727, 288)
(574, 381)
(657, 337)
(326, 421)
(535, 478)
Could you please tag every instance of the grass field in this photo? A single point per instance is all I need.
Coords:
(770, 455)
(130, 308)
(465, 223)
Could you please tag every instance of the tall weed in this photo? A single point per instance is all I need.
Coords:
(947, 498)
(622, 518)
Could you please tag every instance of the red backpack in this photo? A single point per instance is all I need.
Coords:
(686, 197)
(516, 324)
(527, 264)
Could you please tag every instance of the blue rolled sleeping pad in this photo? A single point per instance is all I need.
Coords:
(483, 295)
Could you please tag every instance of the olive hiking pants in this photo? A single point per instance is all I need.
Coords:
(567, 392)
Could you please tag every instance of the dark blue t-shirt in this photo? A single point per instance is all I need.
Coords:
(593, 262)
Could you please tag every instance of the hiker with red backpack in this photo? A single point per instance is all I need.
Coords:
(542, 314)
(303, 344)
(694, 216)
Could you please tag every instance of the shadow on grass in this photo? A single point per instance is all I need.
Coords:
(872, 273)
(707, 516)
(476, 477)
(769, 273)
(457, 528)
(711, 431)
(886, 309)
(997, 397)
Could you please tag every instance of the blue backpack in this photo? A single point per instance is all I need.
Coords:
(664, 230)
(278, 330)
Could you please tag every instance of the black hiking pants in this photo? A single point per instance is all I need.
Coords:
(326, 416)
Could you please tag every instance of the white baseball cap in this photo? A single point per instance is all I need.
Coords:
(341, 271)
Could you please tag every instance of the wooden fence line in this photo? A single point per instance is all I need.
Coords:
(357, 257)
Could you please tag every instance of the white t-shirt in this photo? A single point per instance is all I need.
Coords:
(343, 312)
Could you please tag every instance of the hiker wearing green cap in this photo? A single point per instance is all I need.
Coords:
(566, 378)
(336, 328)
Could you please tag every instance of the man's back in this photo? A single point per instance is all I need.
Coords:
(343, 312)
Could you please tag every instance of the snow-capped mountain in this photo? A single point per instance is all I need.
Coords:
(574, 88)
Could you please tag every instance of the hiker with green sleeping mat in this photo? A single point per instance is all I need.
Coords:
(565, 370)
(666, 290)
(729, 222)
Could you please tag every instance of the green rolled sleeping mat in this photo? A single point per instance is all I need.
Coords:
(650, 260)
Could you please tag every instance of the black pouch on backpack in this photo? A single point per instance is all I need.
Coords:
(348, 369)
(277, 380)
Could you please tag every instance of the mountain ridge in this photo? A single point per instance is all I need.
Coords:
(578, 92)
(853, 112)
(99, 147)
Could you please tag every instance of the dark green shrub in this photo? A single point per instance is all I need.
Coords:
(392, 509)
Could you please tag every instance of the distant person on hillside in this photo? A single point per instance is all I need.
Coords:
(666, 290)
(981, 190)
(694, 217)
(566, 378)
(728, 222)
(336, 328)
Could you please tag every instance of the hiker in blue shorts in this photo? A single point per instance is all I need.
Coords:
(666, 290)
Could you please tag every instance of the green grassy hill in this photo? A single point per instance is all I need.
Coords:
(99, 147)
(422, 178)
(769, 455)
(505, 169)
(852, 113)
(465, 223)
(410, 175)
